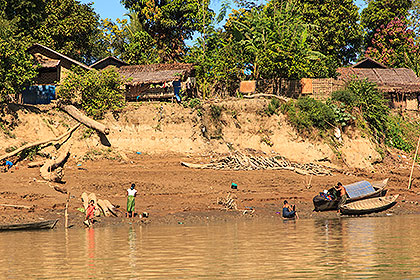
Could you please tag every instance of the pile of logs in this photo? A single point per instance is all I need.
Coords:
(239, 161)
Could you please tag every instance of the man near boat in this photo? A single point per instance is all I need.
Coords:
(289, 211)
(131, 202)
(341, 191)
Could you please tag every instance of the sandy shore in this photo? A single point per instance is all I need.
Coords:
(171, 193)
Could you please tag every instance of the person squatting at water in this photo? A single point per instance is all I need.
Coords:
(131, 203)
(342, 193)
(90, 213)
(289, 211)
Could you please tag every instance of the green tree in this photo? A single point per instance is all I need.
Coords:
(71, 28)
(66, 26)
(277, 39)
(128, 40)
(338, 33)
(16, 66)
(26, 14)
(171, 22)
(95, 91)
(380, 12)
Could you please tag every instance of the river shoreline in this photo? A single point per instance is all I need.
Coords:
(173, 194)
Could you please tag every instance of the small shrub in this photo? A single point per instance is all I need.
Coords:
(96, 91)
(272, 107)
(396, 134)
(307, 113)
(193, 103)
(347, 97)
(215, 112)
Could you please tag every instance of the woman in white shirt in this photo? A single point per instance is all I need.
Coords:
(131, 203)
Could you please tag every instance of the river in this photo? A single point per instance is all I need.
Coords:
(345, 248)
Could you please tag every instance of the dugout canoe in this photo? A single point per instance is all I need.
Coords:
(49, 224)
(368, 206)
(356, 191)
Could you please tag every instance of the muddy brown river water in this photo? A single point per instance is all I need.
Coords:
(339, 248)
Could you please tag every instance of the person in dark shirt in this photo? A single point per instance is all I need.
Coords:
(342, 193)
(289, 211)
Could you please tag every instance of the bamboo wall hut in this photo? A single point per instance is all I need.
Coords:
(157, 81)
(401, 86)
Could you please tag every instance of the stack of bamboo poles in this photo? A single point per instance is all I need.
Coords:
(239, 161)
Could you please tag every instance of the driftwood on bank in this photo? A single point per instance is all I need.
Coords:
(36, 164)
(281, 98)
(16, 206)
(240, 161)
(43, 142)
(79, 116)
(51, 170)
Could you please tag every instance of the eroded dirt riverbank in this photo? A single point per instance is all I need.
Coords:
(171, 193)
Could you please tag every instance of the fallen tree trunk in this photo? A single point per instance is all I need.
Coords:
(31, 145)
(51, 165)
(281, 98)
(79, 116)
(36, 164)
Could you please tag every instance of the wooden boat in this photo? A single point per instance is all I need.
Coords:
(30, 226)
(368, 206)
(354, 193)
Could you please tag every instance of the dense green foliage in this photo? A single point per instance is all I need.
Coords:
(307, 113)
(338, 34)
(16, 67)
(95, 91)
(264, 42)
(169, 23)
(66, 26)
(370, 105)
(360, 104)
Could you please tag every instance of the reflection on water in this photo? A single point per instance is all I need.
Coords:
(372, 247)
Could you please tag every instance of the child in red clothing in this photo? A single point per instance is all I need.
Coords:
(90, 210)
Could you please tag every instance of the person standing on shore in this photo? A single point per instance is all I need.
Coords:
(131, 202)
(90, 210)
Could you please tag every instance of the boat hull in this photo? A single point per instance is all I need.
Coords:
(30, 226)
(369, 206)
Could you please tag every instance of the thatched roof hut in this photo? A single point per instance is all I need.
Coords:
(155, 73)
(401, 85)
(156, 81)
(391, 80)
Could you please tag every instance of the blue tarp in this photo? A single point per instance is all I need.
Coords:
(177, 90)
(39, 94)
(359, 189)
